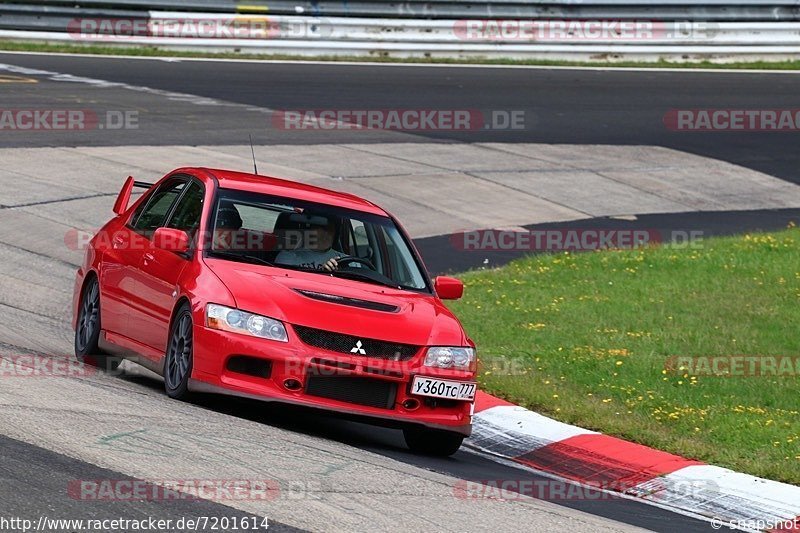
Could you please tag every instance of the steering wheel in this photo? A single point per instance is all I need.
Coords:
(349, 259)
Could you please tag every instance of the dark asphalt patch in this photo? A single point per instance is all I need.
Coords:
(443, 254)
(34, 482)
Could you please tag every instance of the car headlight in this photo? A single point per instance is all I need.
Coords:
(228, 319)
(459, 358)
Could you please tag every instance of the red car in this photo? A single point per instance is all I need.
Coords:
(258, 287)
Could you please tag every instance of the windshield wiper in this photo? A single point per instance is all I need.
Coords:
(242, 257)
(363, 277)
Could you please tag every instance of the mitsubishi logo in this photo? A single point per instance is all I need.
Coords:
(358, 349)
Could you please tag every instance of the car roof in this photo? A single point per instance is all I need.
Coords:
(243, 181)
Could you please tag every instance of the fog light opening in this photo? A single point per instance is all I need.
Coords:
(292, 384)
(411, 404)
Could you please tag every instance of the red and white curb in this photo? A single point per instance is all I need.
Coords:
(723, 496)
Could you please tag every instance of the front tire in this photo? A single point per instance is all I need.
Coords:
(433, 442)
(87, 330)
(179, 358)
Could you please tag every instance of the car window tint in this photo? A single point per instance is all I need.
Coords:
(154, 214)
(285, 231)
(187, 213)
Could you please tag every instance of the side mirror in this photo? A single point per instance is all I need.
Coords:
(124, 196)
(448, 288)
(171, 240)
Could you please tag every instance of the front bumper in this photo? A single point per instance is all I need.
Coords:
(294, 360)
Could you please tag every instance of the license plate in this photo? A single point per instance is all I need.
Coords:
(443, 388)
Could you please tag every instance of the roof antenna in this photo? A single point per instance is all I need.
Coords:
(253, 152)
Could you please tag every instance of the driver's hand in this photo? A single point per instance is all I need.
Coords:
(331, 265)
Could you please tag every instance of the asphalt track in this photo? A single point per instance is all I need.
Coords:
(223, 103)
(563, 106)
(32, 475)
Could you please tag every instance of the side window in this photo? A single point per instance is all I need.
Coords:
(155, 212)
(187, 213)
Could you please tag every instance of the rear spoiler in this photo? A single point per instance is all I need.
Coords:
(124, 196)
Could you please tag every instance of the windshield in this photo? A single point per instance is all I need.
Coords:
(293, 234)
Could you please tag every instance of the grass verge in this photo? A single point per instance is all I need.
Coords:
(586, 338)
(151, 51)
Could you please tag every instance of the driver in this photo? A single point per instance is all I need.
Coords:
(315, 249)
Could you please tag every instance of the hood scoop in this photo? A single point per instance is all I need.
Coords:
(352, 302)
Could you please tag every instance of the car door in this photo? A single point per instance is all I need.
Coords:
(160, 271)
(141, 228)
(127, 244)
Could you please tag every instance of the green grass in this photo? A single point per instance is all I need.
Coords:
(152, 51)
(584, 338)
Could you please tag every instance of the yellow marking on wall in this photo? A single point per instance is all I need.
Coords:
(250, 8)
(8, 78)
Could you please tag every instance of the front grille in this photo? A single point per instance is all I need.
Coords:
(358, 346)
(353, 389)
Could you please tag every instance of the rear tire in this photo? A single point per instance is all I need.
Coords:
(87, 330)
(433, 442)
(179, 358)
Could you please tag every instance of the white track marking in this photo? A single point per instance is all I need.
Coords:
(422, 65)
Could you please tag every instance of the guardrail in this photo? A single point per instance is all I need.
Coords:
(603, 38)
(695, 10)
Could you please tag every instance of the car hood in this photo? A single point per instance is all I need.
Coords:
(417, 318)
